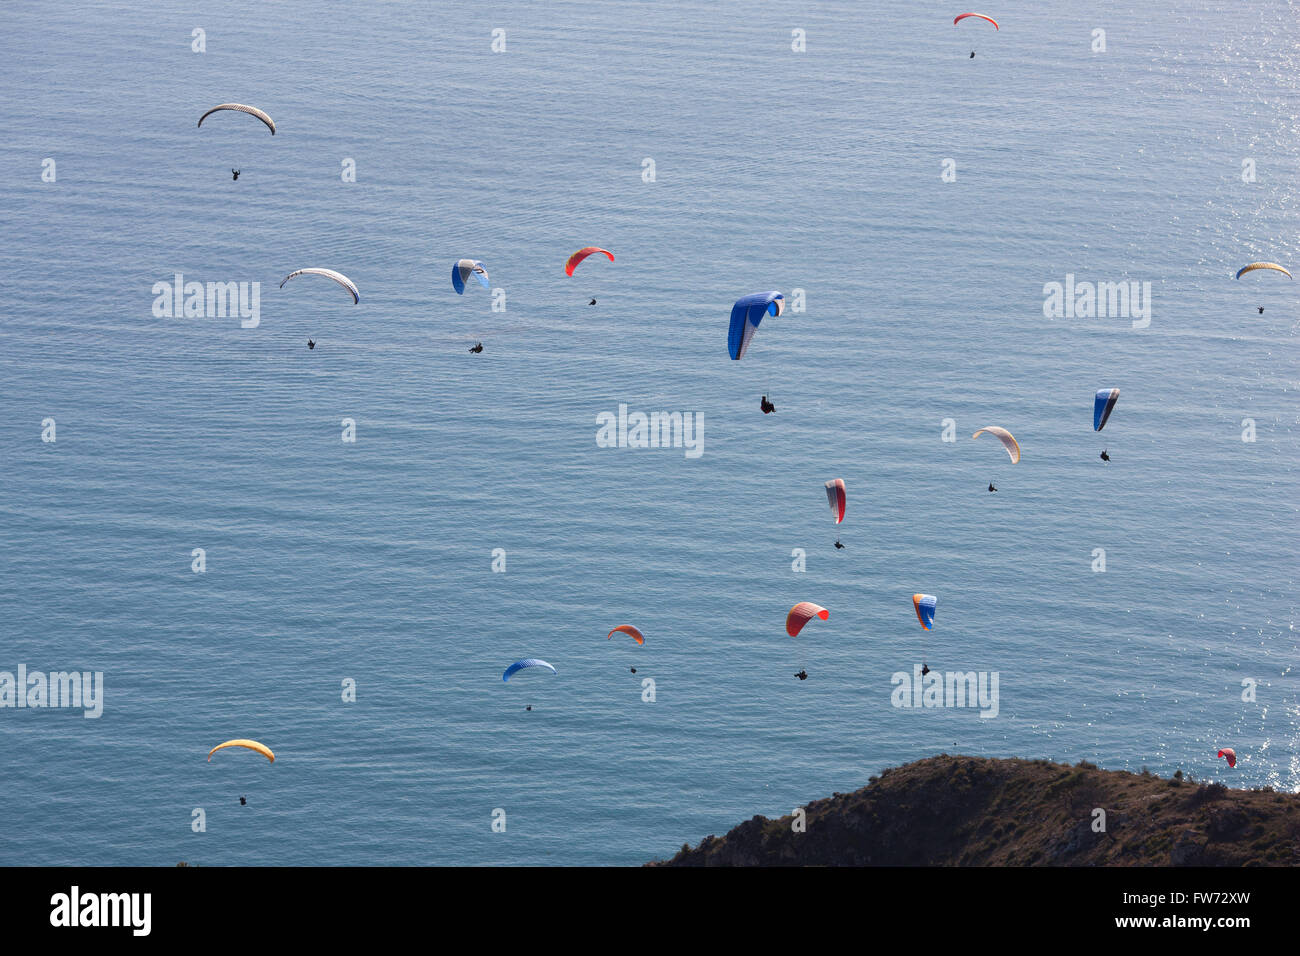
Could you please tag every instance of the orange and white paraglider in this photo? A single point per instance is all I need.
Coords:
(962, 16)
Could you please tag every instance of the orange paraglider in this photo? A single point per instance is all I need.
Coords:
(629, 630)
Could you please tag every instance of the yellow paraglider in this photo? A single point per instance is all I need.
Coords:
(263, 749)
(1263, 265)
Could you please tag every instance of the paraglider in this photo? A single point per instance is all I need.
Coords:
(801, 614)
(234, 174)
(629, 630)
(746, 314)
(1254, 266)
(1102, 405)
(465, 268)
(924, 604)
(962, 16)
(767, 407)
(525, 663)
(1230, 755)
(263, 749)
(1265, 266)
(1104, 455)
(1004, 436)
(338, 277)
(241, 108)
(581, 254)
(836, 496)
(476, 347)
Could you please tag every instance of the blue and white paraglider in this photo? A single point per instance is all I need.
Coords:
(746, 314)
(465, 268)
(525, 663)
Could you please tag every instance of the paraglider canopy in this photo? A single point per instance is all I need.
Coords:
(1004, 436)
(962, 16)
(526, 662)
(836, 496)
(338, 277)
(582, 254)
(465, 268)
(241, 108)
(1230, 755)
(1255, 266)
(746, 314)
(924, 605)
(263, 749)
(1102, 405)
(629, 630)
(801, 614)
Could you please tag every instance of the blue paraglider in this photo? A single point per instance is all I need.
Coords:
(1102, 406)
(746, 314)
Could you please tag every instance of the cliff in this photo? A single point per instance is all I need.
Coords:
(972, 811)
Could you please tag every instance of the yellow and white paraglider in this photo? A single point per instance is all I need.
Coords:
(1008, 441)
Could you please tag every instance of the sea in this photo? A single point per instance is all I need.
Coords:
(337, 551)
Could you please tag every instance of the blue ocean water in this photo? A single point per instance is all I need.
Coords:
(371, 561)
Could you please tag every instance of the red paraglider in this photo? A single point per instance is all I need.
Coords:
(1230, 754)
(582, 254)
(801, 614)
